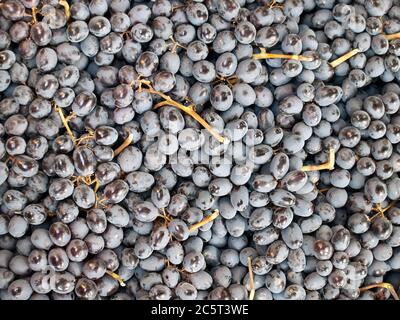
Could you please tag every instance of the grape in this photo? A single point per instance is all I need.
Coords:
(17, 226)
(40, 33)
(20, 290)
(168, 145)
(86, 289)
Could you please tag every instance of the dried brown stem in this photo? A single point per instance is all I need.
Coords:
(251, 280)
(34, 15)
(385, 285)
(381, 211)
(206, 220)
(231, 81)
(329, 165)
(274, 4)
(187, 109)
(116, 277)
(65, 4)
(165, 216)
(96, 186)
(392, 36)
(264, 55)
(65, 122)
(126, 143)
(175, 45)
(88, 136)
(344, 57)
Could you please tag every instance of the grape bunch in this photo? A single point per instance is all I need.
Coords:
(199, 149)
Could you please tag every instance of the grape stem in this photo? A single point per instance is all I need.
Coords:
(50, 213)
(66, 8)
(168, 264)
(231, 81)
(65, 120)
(187, 109)
(176, 7)
(206, 220)
(96, 186)
(102, 202)
(88, 136)
(329, 165)
(165, 216)
(125, 144)
(116, 277)
(344, 57)
(34, 15)
(381, 211)
(274, 4)
(385, 285)
(264, 55)
(251, 279)
(175, 45)
(126, 35)
(88, 180)
(392, 36)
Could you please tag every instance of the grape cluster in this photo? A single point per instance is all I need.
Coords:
(200, 149)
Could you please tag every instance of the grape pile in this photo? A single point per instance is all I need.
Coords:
(199, 149)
